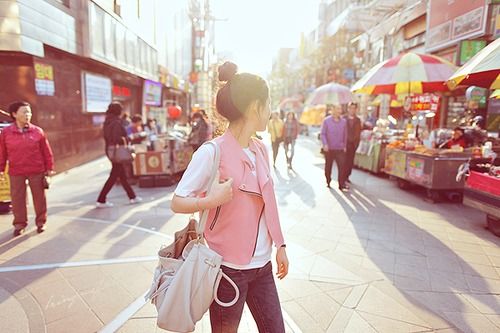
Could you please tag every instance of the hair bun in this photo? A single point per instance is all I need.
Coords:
(227, 71)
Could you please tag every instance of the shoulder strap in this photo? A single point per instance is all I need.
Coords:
(204, 214)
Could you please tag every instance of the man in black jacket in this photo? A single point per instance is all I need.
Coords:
(353, 137)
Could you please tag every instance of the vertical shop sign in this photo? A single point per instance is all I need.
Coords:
(44, 79)
(451, 21)
(97, 92)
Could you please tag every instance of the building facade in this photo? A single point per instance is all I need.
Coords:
(70, 58)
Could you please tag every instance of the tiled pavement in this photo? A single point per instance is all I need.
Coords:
(376, 259)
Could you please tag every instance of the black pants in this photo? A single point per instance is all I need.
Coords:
(276, 148)
(117, 171)
(339, 157)
(349, 158)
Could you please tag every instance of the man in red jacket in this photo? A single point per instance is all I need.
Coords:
(26, 149)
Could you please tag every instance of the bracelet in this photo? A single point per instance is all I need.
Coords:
(283, 245)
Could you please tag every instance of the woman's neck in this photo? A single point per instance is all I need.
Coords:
(241, 132)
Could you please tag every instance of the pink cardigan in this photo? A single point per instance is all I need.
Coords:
(231, 229)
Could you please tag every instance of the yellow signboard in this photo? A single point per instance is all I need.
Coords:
(43, 72)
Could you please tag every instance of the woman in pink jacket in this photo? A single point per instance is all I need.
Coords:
(243, 220)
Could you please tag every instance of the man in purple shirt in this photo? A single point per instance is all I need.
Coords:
(334, 139)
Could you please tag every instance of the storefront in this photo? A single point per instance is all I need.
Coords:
(69, 95)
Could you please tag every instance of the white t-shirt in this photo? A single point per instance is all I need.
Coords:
(194, 183)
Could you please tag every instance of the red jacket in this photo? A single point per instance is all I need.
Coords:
(27, 151)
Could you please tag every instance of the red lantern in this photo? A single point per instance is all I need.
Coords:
(174, 111)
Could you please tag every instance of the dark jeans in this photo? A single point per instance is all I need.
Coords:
(349, 158)
(258, 290)
(339, 157)
(117, 171)
(276, 148)
(18, 199)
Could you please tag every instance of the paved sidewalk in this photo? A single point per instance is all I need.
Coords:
(375, 259)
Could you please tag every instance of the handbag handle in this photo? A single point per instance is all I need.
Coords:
(204, 214)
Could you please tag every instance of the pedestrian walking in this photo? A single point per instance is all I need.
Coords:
(115, 134)
(26, 149)
(353, 138)
(334, 140)
(275, 128)
(242, 228)
(290, 133)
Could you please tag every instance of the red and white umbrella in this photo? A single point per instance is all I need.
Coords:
(409, 73)
(330, 93)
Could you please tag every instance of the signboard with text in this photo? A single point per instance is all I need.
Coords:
(152, 93)
(44, 79)
(469, 48)
(97, 92)
(454, 20)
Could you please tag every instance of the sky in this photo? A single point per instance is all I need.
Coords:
(254, 30)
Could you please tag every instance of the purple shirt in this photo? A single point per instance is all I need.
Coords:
(334, 133)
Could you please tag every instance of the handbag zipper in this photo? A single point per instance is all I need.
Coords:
(258, 226)
(212, 225)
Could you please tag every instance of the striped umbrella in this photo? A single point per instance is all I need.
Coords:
(409, 73)
(483, 70)
(330, 93)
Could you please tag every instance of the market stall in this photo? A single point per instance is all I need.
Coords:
(432, 169)
(482, 189)
(370, 154)
(164, 163)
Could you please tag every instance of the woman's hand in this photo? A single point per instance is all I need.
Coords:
(221, 191)
(282, 263)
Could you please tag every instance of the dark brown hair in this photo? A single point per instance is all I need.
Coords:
(114, 108)
(240, 90)
(14, 107)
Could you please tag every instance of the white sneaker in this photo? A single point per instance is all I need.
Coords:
(135, 200)
(103, 205)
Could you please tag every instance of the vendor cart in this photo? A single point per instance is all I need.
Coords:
(164, 165)
(5, 199)
(482, 191)
(370, 154)
(436, 173)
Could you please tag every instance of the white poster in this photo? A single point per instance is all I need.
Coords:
(97, 92)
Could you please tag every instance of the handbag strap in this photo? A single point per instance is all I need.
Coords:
(213, 175)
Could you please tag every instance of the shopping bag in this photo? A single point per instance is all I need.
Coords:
(188, 274)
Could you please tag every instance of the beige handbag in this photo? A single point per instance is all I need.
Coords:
(186, 280)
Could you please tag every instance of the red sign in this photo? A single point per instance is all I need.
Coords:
(121, 91)
(425, 103)
(451, 20)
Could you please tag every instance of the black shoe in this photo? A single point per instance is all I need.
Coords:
(40, 229)
(18, 232)
(328, 185)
